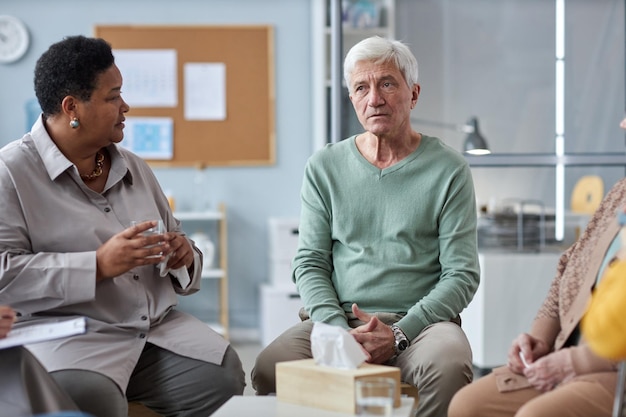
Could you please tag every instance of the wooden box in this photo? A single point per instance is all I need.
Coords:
(304, 382)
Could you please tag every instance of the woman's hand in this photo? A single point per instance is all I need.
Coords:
(527, 346)
(129, 249)
(182, 252)
(7, 317)
(551, 370)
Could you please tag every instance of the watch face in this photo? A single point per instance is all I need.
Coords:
(403, 344)
(14, 39)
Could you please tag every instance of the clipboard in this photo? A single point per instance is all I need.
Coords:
(43, 332)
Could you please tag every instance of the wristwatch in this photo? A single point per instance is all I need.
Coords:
(402, 342)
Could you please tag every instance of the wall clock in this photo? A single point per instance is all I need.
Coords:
(14, 39)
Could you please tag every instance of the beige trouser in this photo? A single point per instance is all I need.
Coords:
(584, 396)
(438, 362)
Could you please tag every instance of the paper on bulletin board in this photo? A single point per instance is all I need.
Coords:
(150, 137)
(150, 77)
(205, 91)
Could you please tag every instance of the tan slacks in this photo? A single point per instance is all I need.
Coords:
(438, 362)
(584, 396)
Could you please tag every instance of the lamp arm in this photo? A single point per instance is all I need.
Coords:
(465, 128)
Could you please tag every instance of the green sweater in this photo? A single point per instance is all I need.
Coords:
(401, 239)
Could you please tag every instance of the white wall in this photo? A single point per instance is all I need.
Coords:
(496, 60)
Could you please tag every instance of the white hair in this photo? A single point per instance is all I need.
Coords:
(381, 50)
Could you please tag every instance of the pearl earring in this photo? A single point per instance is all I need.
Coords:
(74, 123)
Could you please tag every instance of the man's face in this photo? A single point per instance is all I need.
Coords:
(381, 98)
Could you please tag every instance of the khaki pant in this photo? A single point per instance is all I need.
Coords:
(584, 396)
(438, 362)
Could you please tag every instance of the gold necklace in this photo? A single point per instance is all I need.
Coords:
(97, 171)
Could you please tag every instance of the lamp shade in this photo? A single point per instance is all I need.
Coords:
(475, 143)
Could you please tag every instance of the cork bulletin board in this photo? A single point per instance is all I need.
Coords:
(247, 135)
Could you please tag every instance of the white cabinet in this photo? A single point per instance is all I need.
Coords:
(283, 237)
(279, 311)
(219, 270)
(280, 301)
(361, 19)
(513, 285)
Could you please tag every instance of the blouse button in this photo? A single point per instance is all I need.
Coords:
(107, 209)
(142, 335)
(144, 317)
(136, 277)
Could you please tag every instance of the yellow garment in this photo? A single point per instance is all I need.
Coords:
(604, 323)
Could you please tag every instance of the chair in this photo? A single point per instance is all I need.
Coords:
(410, 391)
(618, 405)
(140, 410)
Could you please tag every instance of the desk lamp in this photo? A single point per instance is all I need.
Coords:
(475, 143)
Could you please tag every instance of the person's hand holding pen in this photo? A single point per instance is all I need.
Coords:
(7, 317)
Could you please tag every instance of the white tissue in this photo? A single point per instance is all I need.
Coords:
(181, 274)
(335, 347)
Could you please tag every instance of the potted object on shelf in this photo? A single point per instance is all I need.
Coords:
(207, 247)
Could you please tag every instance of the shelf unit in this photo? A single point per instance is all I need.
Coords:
(220, 273)
(328, 74)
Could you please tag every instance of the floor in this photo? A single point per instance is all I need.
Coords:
(248, 352)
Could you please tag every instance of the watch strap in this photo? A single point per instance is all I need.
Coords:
(402, 342)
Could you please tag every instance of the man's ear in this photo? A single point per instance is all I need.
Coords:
(415, 93)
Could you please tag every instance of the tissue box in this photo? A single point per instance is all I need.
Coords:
(305, 383)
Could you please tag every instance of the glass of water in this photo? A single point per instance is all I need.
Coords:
(375, 396)
(159, 229)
